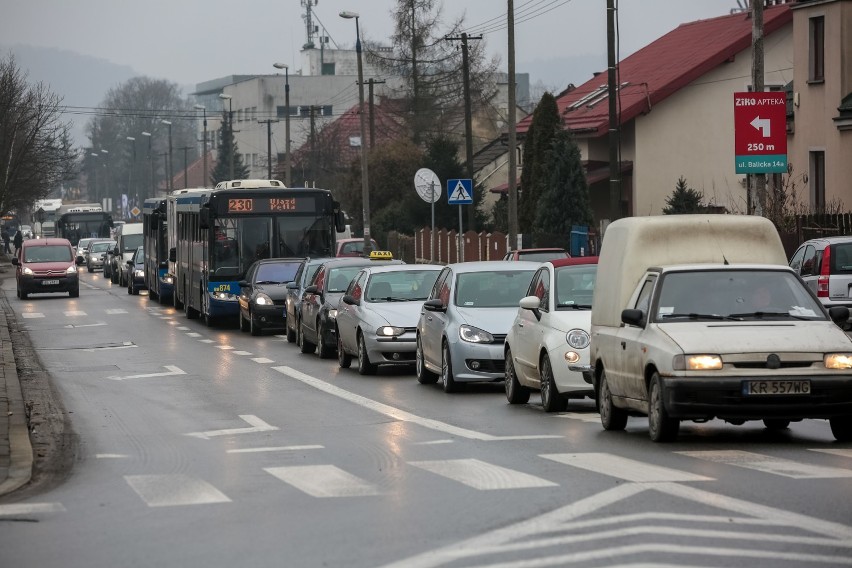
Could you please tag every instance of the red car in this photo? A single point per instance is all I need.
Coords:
(46, 265)
(353, 247)
(537, 254)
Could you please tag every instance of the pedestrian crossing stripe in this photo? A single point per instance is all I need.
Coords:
(460, 191)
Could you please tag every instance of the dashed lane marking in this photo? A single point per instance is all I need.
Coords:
(206, 341)
(262, 360)
(224, 347)
(481, 475)
(193, 334)
(75, 314)
(30, 509)
(244, 353)
(624, 468)
(32, 315)
(257, 425)
(276, 449)
(769, 464)
(323, 481)
(174, 489)
(116, 311)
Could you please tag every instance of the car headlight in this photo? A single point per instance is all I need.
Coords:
(838, 361)
(332, 313)
(71, 270)
(263, 300)
(474, 334)
(390, 331)
(578, 339)
(27, 270)
(697, 363)
(139, 273)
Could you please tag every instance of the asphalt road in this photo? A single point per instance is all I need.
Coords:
(207, 447)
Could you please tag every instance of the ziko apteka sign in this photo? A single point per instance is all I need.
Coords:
(760, 133)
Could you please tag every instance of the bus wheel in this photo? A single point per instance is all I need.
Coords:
(191, 313)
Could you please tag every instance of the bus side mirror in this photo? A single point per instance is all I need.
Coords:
(172, 255)
(339, 221)
(204, 218)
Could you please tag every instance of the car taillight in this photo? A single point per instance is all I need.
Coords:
(825, 271)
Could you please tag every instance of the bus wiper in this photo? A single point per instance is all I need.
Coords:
(696, 316)
(761, 315)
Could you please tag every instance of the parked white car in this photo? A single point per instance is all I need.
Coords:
(547, 348)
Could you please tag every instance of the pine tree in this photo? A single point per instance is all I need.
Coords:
(222, 170)
(684, 199)
(546, 122)
(564, 200)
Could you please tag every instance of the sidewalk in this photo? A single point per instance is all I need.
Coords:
(16, 452)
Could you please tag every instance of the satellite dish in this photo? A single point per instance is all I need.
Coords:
(428, 185)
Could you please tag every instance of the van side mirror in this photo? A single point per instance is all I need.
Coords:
(172, 255)
(839, 314)
(15, 261)
(633, 317)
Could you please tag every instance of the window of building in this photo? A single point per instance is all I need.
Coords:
(253, 114)
(817, 49)
(326, 110)
(328, 68)
(817, 180)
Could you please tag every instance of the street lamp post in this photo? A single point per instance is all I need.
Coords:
(223, 96)
(365, 185)
(94, 170)
(105, 195)
(150, 162)
(169, 183)
(130, 184)
(286, 121)
(204, 148)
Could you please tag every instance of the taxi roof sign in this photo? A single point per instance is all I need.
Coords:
(381, 255)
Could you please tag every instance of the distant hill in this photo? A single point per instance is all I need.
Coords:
(80, 80)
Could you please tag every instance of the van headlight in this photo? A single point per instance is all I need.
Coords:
(27, 270)
(697, 363)
(474, 334)
(578, 339)
(71, 270)
(838, 361)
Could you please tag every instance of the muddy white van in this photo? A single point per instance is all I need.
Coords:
(698, 317)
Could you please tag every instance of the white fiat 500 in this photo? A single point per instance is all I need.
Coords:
(548, 345)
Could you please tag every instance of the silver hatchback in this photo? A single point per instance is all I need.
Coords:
(464, 323)
(825, 264)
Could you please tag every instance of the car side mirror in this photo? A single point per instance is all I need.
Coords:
(350, 300)
(130, 263)
(839, 314)
(15, 261)
(311, 290)
(292, 285)
(115, 251)
(633, 317)
(244, 284)
(532, 303)
(435, 305)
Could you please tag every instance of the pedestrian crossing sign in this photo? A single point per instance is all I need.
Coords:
(459, 191)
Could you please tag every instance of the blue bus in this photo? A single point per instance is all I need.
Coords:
(220, 232)
(155, 240)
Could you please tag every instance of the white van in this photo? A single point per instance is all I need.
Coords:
(698, 317)
(129, 237)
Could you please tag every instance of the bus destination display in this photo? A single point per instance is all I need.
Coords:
(269, 204)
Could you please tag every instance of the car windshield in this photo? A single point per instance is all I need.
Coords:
(81, 246)
(47, 253)
(338, 279)
(492, 289)
(355, 247)
(276, 273)
(139, 257)
(575, 286)
(734, 295)
(101, 247)
(542, 256)
(402, 286)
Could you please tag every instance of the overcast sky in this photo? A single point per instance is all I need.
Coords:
(190, 41)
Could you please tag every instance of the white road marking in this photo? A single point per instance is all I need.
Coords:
(165, 317)
(224, 347)
(89, 286)
(183, 328)
(124, 345)
(481, 475)
(75, 314)
(769, 464)
(241, 353)
(193, 334)
(582, 417)
(396, 413)
(275, 449)
(172, 371)
(30, 509)
(434, 442)
(32, 315)
(257, 425)
(116, 312)
(206, 341)
(174, 489)
(173, 322)
(73, 326)
(110, 456)
(280, 336)
(624, 468)
(836, 452)
(262, 360)
(323, 481)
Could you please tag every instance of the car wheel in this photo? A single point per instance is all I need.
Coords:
(364, 365)
(612, 417)
(291, 334)
(344, 360)
(424, 375)
(75, 293)
(661, 427)
(323, 350)
(516, 393)
(243, 324)
(841, 427)
(89, 268)
(305, 346)
(551, 400)
(24, 295)
(254, 328)
(447, 379)
(130, 288)
(776, 424)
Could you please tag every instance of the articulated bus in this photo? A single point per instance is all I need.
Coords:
(155, 234)
(220, 232)
(82, 220)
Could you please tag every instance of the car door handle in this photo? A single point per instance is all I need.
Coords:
(428, 318)
(624, 345)
(521, 324)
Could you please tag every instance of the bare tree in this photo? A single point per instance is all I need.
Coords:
(35, 150)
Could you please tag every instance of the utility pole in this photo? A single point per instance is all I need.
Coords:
(757, 193)
(370, 83)
(165, 156)
(513, 172)
(313, 138)
(268, 123)
(185, 166)
(468, 118)
(612, 91)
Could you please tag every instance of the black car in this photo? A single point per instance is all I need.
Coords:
(136, 272)
(263, 294)
(317, 325)
(295, 289)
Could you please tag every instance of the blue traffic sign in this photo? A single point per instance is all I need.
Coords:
(459, 191)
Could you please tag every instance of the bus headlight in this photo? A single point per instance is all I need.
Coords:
(223, 296)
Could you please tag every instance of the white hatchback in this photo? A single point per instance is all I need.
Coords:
(547, 348)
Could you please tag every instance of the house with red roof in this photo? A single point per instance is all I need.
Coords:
(675, 97)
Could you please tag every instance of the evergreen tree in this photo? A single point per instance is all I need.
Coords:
(684, 199)
(222, 170)
(546, 123)
(564, 200)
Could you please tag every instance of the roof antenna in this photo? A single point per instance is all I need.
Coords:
(724, 260)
